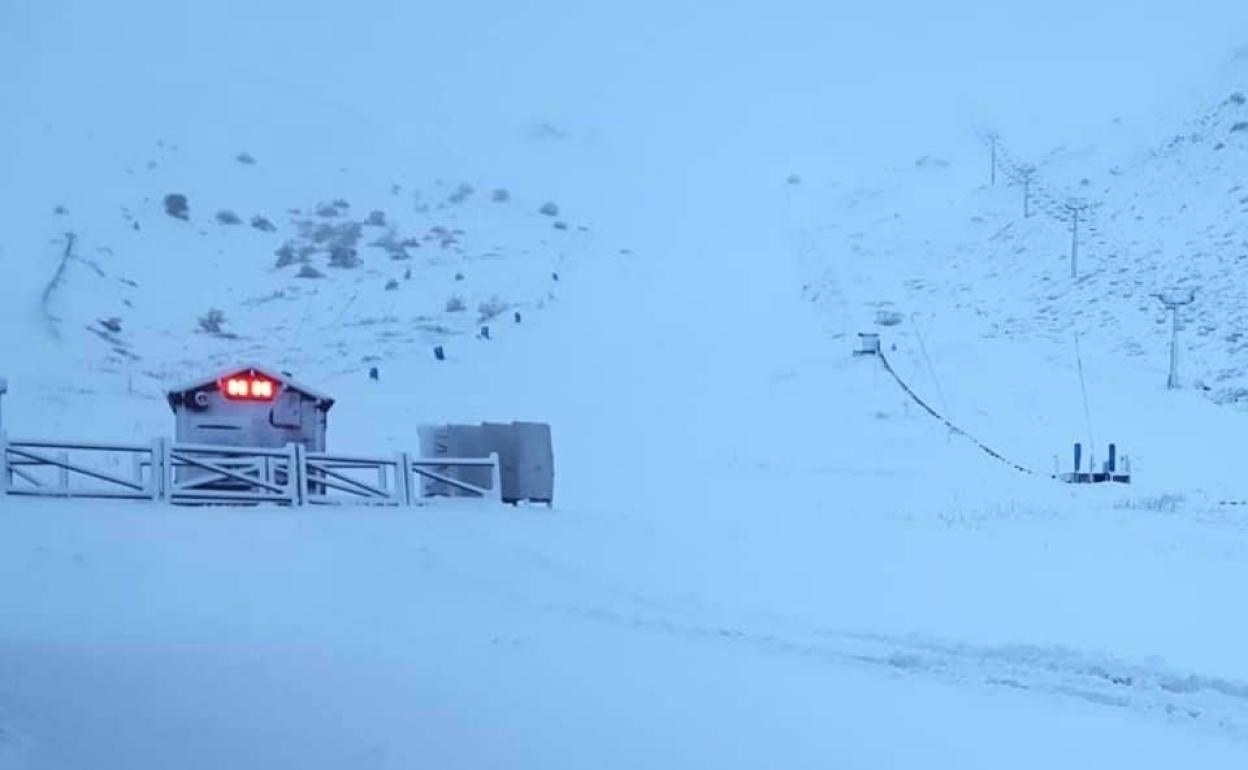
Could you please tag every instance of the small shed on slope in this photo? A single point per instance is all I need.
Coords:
(250, 406)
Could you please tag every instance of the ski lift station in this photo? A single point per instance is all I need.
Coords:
(250, 406)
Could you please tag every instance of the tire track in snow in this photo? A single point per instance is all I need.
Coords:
(1205, 702)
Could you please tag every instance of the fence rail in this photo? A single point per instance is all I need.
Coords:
(201, 474)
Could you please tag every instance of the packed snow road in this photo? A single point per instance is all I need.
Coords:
(461, 635)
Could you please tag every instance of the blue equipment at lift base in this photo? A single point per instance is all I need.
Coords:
(1095, 478)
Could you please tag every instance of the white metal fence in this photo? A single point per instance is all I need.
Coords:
(198, 474)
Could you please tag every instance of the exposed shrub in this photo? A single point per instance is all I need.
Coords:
(344, 257)
(245, 158)
(289, 254)
(376, 218)
(263, 224)
(461, 193)
(307, 271)
(500, 195)
(456, 305)
(491, 308)
(177, 207)
(212, 322)
(549, 209)
(391, 285)
(887, 318)
(227, 217)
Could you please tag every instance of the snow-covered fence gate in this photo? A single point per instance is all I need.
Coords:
(201, 474)
(65, 469)
(394, 480)
(338, 478)
(435, 470)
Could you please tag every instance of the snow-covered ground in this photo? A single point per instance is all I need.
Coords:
(763, 553)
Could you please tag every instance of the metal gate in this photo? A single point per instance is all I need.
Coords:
(202, 474)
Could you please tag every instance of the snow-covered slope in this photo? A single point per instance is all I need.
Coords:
(763, 553)
(1165, 210)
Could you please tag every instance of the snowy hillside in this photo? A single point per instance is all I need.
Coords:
(763, 552)
(1165, 209)
(184, 263)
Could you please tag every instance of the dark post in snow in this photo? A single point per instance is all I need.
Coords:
(4, 388)
(1076, 209)
(1173, 300)
(1026, 174)
(992, 143)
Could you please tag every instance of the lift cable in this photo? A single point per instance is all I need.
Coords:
(915, 397)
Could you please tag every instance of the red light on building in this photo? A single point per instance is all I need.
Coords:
(248, 387)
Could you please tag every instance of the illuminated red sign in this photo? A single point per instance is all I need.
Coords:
(249, 387)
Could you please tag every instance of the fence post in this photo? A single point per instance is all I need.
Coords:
(402, 478)
(62, 475)
(136, 467)
(297, 475)
(496, 476)
(5, 480)
(159, 468)
(169, 469)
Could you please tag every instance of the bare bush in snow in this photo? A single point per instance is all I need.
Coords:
(212, 322)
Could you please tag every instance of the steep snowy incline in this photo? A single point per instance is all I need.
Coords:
(1165, 210)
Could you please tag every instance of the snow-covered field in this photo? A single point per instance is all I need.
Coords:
(762, 553)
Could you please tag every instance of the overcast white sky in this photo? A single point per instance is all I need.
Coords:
(781, 81)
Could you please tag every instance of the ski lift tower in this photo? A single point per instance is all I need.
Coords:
(1173, 299)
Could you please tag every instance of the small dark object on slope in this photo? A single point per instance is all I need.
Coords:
(212, 321)
(439, 353)
(344, 257)
(227, 217)
(549, 209)
(177, 207)
(263, 224)
(373, 374)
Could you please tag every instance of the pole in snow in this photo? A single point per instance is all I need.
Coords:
(1027, 173)
(1076, 209)
(4, 388)
(1173, 300)
(993, 138)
